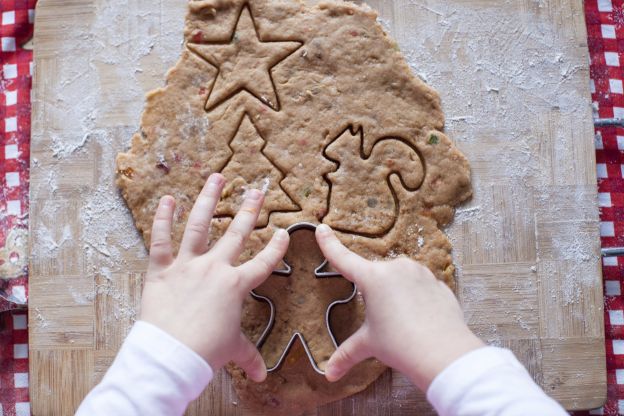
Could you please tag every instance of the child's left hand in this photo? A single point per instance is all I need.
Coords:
(198, 296)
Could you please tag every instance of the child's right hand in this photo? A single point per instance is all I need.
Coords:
(413, 321)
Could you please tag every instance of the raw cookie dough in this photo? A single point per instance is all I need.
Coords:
(317, 107)
(301, 300)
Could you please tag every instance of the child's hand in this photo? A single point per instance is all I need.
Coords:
(413, 321)
(198, 296)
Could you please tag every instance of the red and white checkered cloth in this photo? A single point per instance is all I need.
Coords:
(16, 28)
(14, 364)
(605, 24)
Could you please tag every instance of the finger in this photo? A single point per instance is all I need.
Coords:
(256, 270)
(349, 264)
(195, 240)
(249, 359)
(351, 352)
(161, 251)
(231, 244)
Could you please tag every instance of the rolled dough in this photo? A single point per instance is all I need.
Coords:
(317, 107)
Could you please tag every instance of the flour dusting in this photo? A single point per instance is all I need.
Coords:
(120, 42)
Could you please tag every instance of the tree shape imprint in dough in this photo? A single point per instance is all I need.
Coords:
(244, 63)
(301, 300)
(370, 205)
(248, 168)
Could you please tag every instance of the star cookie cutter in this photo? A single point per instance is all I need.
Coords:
(298, 335)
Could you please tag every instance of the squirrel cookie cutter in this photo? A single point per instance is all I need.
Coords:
(298, 335)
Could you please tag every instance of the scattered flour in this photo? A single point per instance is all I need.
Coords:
(265, 185)
(103, 120)
(45, 238)
(41, 321)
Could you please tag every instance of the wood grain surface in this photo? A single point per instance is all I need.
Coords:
(514, 82)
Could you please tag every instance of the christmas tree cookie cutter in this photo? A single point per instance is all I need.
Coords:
(319, 274)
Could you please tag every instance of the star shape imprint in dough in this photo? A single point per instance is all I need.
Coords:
(244, 63)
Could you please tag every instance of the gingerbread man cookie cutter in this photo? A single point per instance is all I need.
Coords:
(318, 273)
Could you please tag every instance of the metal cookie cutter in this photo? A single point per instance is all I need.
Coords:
(318, 274)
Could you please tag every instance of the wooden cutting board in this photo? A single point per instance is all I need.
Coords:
(514, 82)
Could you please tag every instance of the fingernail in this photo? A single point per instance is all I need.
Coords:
(263, 375)
(166, 201)
(281, 234)
(215, 179)
(331, 374)
(254, 195)
(324, 229)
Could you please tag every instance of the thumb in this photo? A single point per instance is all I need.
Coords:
(351, 352)
(258, 269)
(349, 264)
(249, 359)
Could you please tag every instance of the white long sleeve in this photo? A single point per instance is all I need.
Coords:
(153, 374)
(489, 381)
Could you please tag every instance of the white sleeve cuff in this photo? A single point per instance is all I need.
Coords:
(489, 381)
(153, 374)
(184, 364)
(464, 372)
